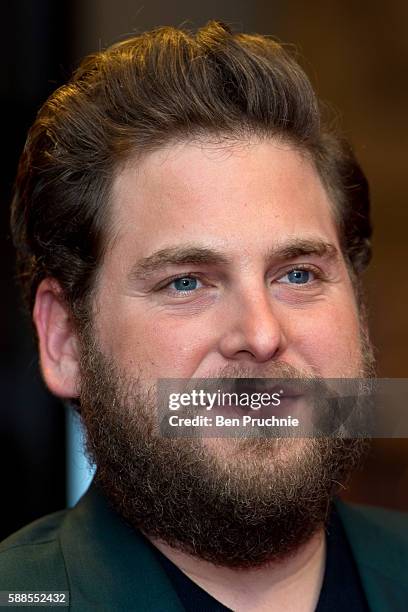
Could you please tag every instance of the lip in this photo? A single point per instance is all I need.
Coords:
(284, 387)
(288, 390)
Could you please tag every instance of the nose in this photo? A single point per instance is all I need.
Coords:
(252, 330)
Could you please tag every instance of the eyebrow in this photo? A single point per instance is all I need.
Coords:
(201, 255)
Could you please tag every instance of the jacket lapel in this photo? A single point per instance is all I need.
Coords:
(109, 565)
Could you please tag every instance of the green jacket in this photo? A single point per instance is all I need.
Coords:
(106, 566)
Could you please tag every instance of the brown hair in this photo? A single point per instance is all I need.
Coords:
(138, 95)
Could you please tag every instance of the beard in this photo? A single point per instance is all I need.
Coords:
(238, 503)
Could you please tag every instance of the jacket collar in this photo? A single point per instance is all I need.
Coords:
(113, 567)
(109, 565)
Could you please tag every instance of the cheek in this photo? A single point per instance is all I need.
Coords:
(161, 346)
(329, 341)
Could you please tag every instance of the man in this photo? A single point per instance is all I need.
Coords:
(182, 211)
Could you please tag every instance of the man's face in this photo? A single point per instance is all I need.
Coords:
(224, 262)
(224, 256)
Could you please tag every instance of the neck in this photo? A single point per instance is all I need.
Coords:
(291, 584)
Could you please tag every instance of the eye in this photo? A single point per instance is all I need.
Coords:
(298, 276)
(184, 284)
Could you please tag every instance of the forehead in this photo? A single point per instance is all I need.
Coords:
(240, 197)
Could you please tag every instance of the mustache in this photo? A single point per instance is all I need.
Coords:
(277, 369)
(237, 378)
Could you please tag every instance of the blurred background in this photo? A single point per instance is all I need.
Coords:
(357, 57)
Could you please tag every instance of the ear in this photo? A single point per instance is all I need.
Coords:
(58, 343)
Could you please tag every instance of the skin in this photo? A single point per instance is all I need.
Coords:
(262, 207)
(240, 202)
